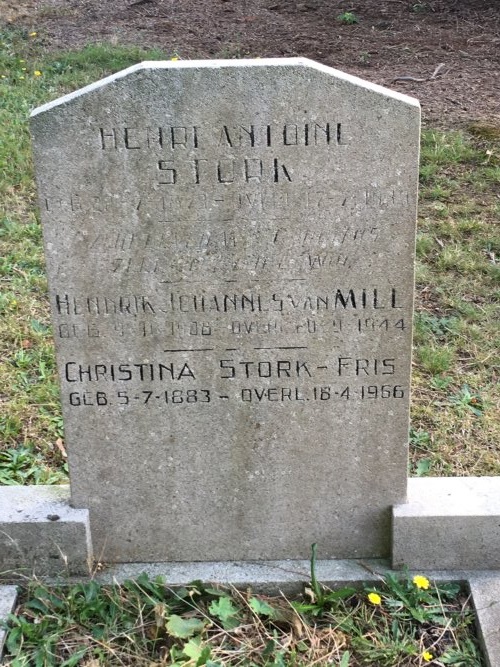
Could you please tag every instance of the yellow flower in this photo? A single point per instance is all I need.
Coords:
(23, 69)
(421, 582)
(32, 34)
(21, 77)
(427, 656)
(22, 61)
(374, 598)
(174, 58)
(37, 72)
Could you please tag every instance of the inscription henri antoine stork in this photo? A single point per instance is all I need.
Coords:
(225, 170)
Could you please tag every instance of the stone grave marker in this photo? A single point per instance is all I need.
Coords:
(230, 258)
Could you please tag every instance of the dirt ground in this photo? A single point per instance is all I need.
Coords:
(444, 52)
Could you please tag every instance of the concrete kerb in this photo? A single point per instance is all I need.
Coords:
(446, 524)
(41, 533)
(450, 523)
(485, 594)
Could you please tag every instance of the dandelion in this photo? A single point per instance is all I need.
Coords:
(174, 58)
(33, 34)
(37, 72)
(374, 598)
(427, 656)
(421, 582)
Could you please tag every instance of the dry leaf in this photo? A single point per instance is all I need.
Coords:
(61, 448)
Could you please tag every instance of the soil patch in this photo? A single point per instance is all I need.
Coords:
(444, 52)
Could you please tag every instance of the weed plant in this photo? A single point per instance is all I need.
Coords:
(456, 393)
(349, 18)
(146, 623)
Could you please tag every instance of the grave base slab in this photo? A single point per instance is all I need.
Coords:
(41, 534)
(448, 523)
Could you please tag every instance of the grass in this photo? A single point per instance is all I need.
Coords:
(398, 623)
(456, 393)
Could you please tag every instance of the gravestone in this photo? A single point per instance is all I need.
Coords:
(230, 258)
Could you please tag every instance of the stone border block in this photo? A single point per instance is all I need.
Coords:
(288, 576)
(448, 523)
(267, 577)
(8, 596)
(486, 600)
(41, 534)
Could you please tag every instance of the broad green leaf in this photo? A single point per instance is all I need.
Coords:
(225, 610)
(217, 592)
(340, 594)
(193, 648)
(269, 649)
(20, 662)
(278, 660)
(423, 467)
(39, 327)
(38, 605)
(184, 627)
(261, 608)
(75, 659)
(14, 639)
(204, 657)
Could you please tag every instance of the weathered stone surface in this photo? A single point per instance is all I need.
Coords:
(230, 256)
(41, 534)
(448, 523)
